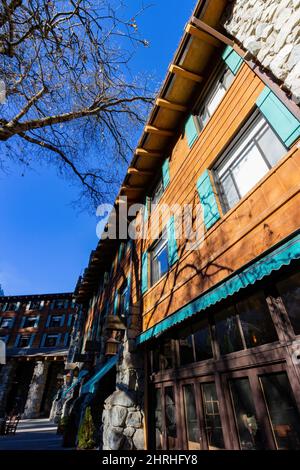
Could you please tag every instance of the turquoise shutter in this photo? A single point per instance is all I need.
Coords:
(43, 340)
(116, 302)
(144, 283)
(208, 201)
(146, 211)
(66, 339)
(17, 341)
(166, 173)
(31, 340)
(120, 252)
(172, 242)
(191, 131)
(285, 124)
(232, 60)
(128, 294)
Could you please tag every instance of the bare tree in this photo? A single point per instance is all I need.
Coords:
(70, 96)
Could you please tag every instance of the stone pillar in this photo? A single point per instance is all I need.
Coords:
(123, 413)
(36, 390)
(6, 377)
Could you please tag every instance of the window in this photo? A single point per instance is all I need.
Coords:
(7, 322)
(4, 338)
(51, 341)
(289, 290)
(10, 307)
(213, 425)
(159, 259)
(215, 96)
(228, 332)
(24, 341)
(157, 192)
(256, 150)
(61, 303)
(30, 322)
(196, 347)
(34, 305)
(56, 321)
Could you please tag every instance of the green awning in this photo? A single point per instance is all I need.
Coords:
(271, 260)
(90, 385)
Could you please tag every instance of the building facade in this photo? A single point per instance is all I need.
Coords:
(36, 330)
(189, 338)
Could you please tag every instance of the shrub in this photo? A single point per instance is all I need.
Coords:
(87, 431)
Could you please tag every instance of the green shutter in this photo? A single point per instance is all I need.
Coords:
(146, 211)
(128, 296)
(191, 131)
(208, 201)
(116, 302)
(172, 242)
(285, 124)
(166, 173)
(232, 59)
(144, 283)
(120, 252)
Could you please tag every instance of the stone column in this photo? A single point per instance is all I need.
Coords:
(36, 390)
(6, 377)
(123, 413)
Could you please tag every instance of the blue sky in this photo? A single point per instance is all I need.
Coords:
(45, 241)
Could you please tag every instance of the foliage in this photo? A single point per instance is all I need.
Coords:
(71, 99)
(87, 431)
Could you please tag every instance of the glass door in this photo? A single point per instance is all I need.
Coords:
(165, 418)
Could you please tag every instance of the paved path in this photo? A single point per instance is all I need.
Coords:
(32, 434)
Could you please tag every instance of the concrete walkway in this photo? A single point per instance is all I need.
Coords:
(33, 434)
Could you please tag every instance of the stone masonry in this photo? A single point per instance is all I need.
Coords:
(270, 30)
(123, 414)
(36, 390)
(6, 378)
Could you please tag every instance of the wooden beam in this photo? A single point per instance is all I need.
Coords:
(185, 73)
(169, 105)
(147, 153)
(157, 131)
(202, 36)
(211, 31)
(135, 171)
(132, 188)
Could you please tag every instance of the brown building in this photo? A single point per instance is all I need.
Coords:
(194, 343)
(36, 330)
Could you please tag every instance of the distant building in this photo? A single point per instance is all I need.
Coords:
(36, 330)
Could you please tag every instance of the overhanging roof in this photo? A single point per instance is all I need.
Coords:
(195, 57)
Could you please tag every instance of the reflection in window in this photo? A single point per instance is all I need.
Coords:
(253, 155)
(248, 431)
(166, 355)
(213, 426)
(289, 290)
(191, 419)
(256, 321)
(283, 413)
(227, 331)
(202, 341)
(159, 259)
(186, 350)
(158, 420)
(171, 427)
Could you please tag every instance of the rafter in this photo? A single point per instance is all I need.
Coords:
(211, 31)
(202, 36)
(157, 131)
(170, 105)
(185, 73)
(147, 153)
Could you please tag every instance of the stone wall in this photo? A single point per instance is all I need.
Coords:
(270, 30)
(123, 415)
(36, 390)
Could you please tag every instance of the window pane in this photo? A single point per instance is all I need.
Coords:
(191, 419)
(158, 420)
(202, 341)
(229, 191)
(215, 99)
(250, 159)
(227, 331)
(248, 431)
(213, 426)
(6, 322)
(283, 413)
(186, 350)
(159, 260)
(166, 355)
(289, 290)
(256, 321)
(171, 427)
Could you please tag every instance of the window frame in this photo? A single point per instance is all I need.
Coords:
(162, 238)
(7, 318)
(245, 129)
(51, 335)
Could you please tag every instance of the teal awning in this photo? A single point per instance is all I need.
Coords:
(81, 374)
(272, 260)
(89, 386)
